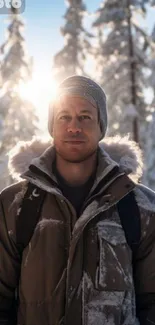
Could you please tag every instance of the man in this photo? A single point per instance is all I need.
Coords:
(77, 268)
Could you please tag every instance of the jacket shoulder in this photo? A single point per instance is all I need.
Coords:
(145, 197)
(8, 194)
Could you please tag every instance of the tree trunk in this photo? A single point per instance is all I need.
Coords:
(132, 74)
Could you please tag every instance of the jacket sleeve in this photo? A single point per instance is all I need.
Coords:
(9, 269)
(144, 270)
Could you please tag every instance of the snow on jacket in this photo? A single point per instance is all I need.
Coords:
(78, 269)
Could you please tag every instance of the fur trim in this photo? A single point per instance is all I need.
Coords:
(127, 154)
(122, 150)
(23, 153)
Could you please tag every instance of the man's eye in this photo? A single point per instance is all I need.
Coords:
(85, 117)
(65, 117)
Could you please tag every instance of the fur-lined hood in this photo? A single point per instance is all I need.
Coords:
(123, 151)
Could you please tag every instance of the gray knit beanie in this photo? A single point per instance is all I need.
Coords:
(82, 87)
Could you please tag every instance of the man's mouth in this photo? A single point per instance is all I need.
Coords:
(74, 141)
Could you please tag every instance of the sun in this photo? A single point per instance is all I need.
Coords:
(40, 91)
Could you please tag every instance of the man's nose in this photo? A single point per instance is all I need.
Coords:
(74, 126)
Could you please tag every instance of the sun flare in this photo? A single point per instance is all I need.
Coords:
(40, 91)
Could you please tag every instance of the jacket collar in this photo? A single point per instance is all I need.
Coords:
(41, 171)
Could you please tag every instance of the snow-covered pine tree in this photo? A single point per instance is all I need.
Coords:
(71, 59)
(122, 63)
(152, 76)
(149, 172)
(17, 116)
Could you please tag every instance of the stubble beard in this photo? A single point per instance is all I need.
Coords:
(79, 160)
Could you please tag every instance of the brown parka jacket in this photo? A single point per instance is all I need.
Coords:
(77, 270)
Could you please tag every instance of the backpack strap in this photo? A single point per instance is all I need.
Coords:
(28, 215)
(130, 218)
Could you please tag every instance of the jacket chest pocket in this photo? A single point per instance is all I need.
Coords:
(114, 270)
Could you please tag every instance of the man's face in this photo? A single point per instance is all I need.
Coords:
(76, 129)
